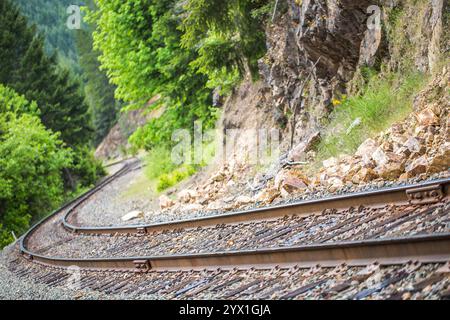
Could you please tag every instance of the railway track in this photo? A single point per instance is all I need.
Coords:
(399, 195)
(372, 281)
(391, 231)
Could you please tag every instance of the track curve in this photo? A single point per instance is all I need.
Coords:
(422, 248)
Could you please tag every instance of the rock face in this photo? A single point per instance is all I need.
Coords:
(299, 152)
(330, 40)
(321, 33)
(116, 141)
(165, 202)
(319, 45)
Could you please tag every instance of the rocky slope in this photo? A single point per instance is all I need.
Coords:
(316, 50)
(115, 144)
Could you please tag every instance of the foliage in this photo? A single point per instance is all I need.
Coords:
(228, 34)
(86, 169)
(168, 180)
(179, 50)
(165, 173)
(387, 98)
(42, 114)
(99, 92)
(158, 161)
(74, 51)
(26, 68)
(31, 161)
(12, 103)
(50, 17)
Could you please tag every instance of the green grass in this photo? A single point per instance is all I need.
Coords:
(158, 162)
(164, 174)
(141, 187)
(384, 101)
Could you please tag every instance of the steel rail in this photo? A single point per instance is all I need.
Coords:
(424, 249)
(398, 195)
(80, 199)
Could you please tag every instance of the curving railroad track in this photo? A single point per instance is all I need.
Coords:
(389, 243)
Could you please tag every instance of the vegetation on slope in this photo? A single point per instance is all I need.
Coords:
(385, 99)
(32, 159)
(58, 127)
(50, 17)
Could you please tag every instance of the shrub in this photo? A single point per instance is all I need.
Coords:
(31, 161)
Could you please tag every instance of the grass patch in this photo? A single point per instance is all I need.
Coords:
(384, 100)
(140, 188)
(164, 174)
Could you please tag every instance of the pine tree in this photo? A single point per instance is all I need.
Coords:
(25, 67)
(50, 16)
(99, 92)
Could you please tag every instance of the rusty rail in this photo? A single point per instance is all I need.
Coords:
(415, 194)
(425, 249)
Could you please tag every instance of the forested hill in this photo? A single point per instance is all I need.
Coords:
(75, 52)
(50, 121)
(50, 18)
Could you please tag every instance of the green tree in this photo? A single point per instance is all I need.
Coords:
(50, 17)
(141, 50)
(31, 162)
(229, 35)
(25, 67)
(99, 92)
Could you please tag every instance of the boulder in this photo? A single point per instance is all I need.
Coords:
(187, 195)
(218, 177)
(403, 177)
(414, 145)
(292, 184)
(335, 184)
(293, 178)
(267, 196)
(417, 166)
(427, 118)
(382, 158)
(365, 175)
(441, 160)
(165, 202)
(366, 149)
(133, 215)
(298, 153)
(354, 169)
(243, 200)
(331, 162)
(391, 170)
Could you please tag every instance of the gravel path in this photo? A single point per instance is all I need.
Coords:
(110, 204)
